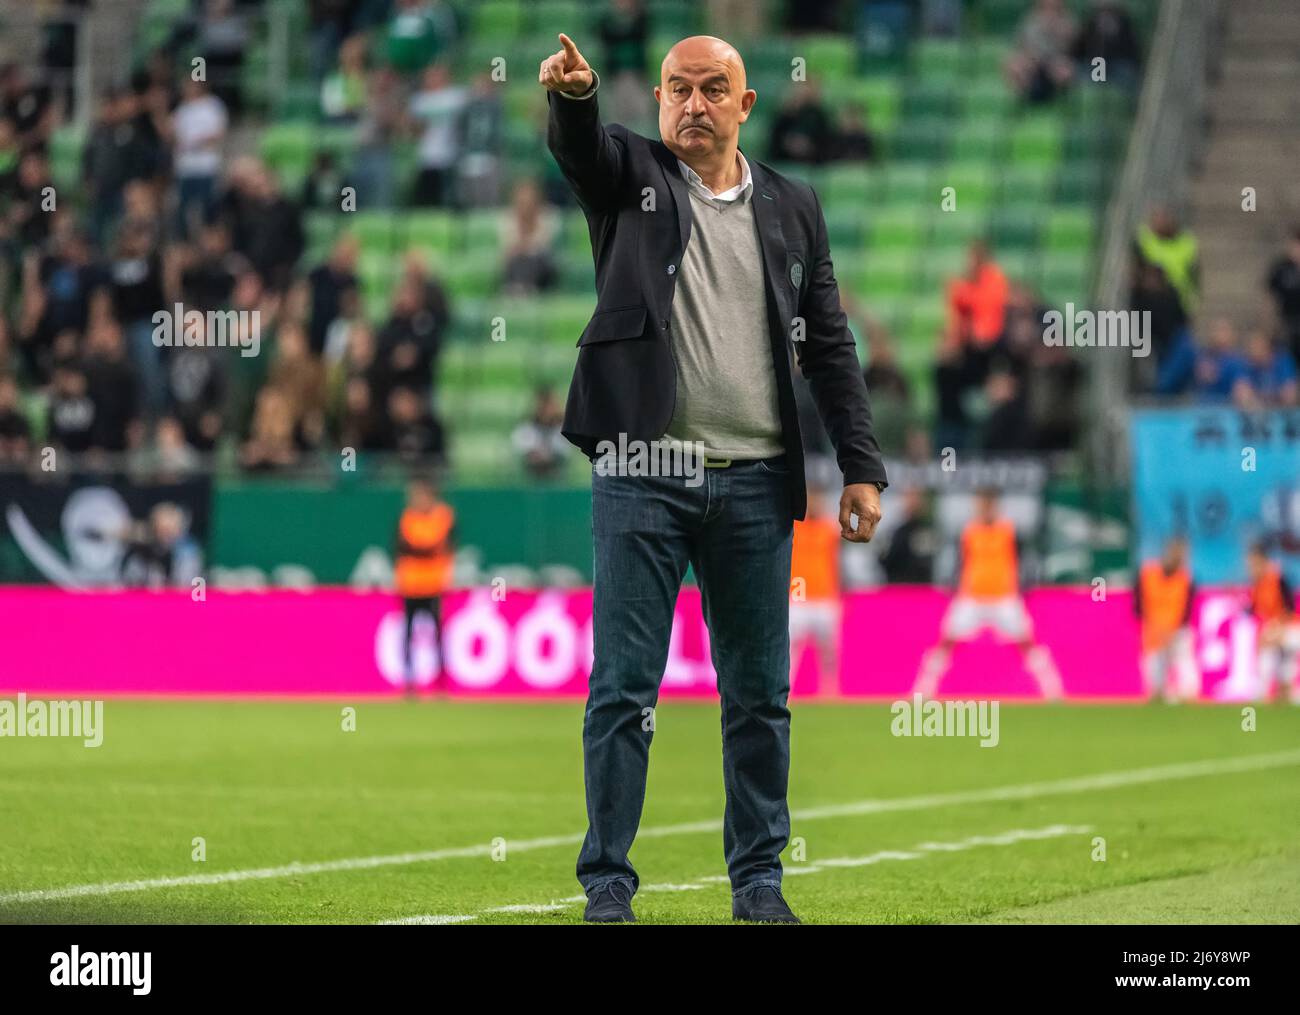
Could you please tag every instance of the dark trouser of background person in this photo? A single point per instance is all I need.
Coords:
(735, 530)
(432, 607)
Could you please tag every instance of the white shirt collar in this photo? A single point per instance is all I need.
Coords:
(698, 185)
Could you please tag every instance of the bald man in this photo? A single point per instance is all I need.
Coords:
(711, 271)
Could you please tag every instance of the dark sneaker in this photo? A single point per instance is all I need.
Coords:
(610, 903)
(761, 904)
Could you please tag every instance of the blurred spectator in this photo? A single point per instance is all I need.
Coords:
(420, 32)
(196, 393)
(57, 292)
(25, 104)
(330, 22)
(482, 125)
(977, 304)
(300, 376)
(1163, 241)
(271, 443)
(909, 554)
(802, 130)
(1269, 378)
(538, 441)
(528, 234)
(32, 201)
(322, 189)
(1108, 34)
(198, 132)
(1284, 286)
(624, 31)
(411, 429)
(343, 92)
(853, 140)
(161, 553)
(1219, 365)
(223, 39)
(338, 335)
(888, 387)
(265, 225)
(135, 283)
(1006, 427)
(409, 341)
(112, 386)
(15, 431)
(819, 17)
(1152, 293)
(208, 270)
(437, 107)
(373, 167)
(330, 283)
(59, 52)
(171, 458)
(70, 413)
(356, 408)
(1039, 69)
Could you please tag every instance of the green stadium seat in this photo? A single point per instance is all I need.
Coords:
(974, 184)
(955, 230)
(1036, 141)
(1070, 230)
(921, 139)
(1082, 183)
(498, 19)
(831, 58)
(980, 141)
(1015, 228)
(425, 229)
(911, 184)
(894, 229)
(1025, 186)
(939, 59)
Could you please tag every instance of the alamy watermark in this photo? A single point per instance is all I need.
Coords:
(63, 718)
(1121, 329)
(217, 329)
(651, 458)
(921, 718)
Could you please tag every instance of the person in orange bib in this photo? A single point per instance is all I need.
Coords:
(815, 591)
(1272, 604)
(425, 555)
(988, 597)
(1163, 602)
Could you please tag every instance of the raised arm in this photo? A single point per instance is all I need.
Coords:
(591, 158)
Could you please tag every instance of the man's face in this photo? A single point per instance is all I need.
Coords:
(702, 97)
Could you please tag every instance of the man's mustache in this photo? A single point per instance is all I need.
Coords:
(704, 125)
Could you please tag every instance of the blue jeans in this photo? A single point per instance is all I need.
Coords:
(734, 529)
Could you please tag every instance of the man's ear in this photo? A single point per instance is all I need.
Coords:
(747, 103)
(658, 92)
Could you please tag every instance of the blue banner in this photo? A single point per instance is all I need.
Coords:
(1222, 477)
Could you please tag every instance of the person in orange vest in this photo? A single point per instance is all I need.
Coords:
(1272, 604)
(1163, 602)
(815, 591)
(988, 597)
(425, 555)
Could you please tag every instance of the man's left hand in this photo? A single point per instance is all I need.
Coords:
(863, 500)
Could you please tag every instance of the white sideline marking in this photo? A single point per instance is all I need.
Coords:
(820, 866)
(1080, 784)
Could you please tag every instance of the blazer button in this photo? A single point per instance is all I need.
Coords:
(672, 269)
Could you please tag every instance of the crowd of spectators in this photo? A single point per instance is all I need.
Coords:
(1214, 360)
(1053, 50)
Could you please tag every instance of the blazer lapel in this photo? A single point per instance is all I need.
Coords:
(677, 186)
(767, 216)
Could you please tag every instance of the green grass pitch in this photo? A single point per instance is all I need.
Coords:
(471, 812)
